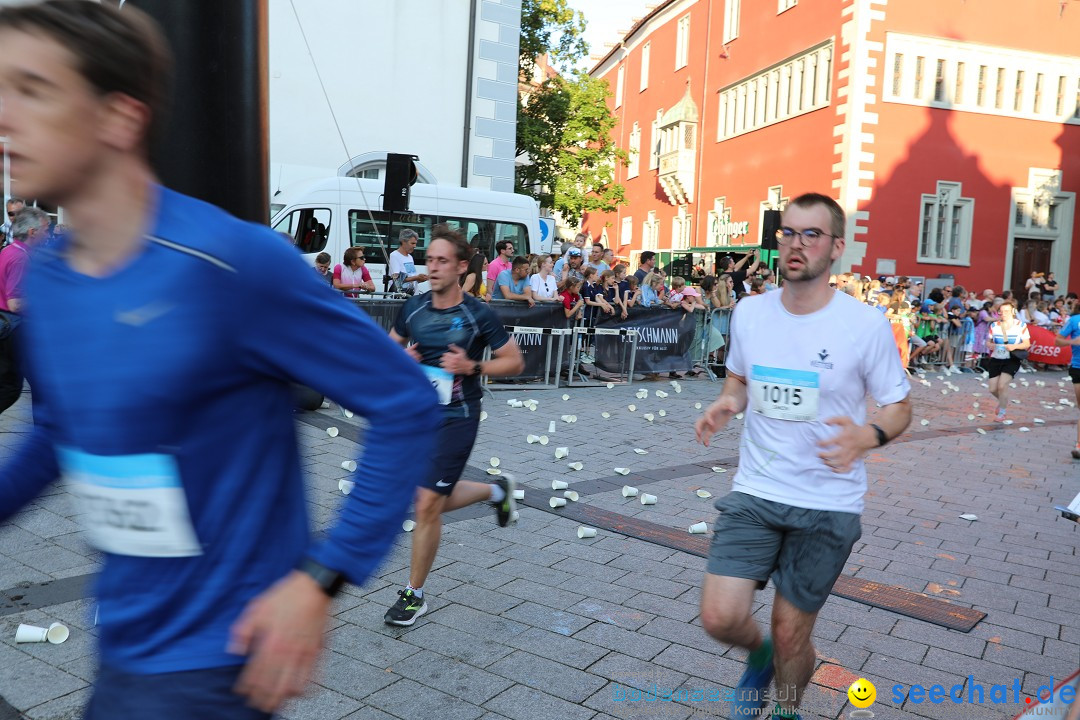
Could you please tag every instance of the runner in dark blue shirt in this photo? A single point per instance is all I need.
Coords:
(450, 331)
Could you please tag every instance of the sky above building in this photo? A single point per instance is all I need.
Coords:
(604, 19)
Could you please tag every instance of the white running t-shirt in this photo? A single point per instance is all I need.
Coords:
(801, 370)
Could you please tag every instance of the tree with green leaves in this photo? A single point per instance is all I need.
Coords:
(564, 125)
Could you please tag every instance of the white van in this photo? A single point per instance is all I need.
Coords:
(336, 213)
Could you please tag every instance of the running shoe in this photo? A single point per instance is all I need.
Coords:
(750, 693)
(1000, 414)
(504, 509)
(407, 608)
(1076, 452)
(778, 714)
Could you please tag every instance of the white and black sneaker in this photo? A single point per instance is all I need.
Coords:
(407, 608)
(506, 508)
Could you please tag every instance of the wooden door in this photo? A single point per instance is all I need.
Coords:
(1028, 256)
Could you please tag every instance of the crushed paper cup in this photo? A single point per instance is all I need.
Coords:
(1038, 421)
(661, 413)
(969, 516)
(565, 397)
(515, 403)
(586, 532)
(639, 451)
(1012, 385)
(543, 439)
(567, 418)
(408, 525)
(494, 462)
(649, 416)
(1006, 422)
(571, 495)
(551, 426)
(349, 465)
(557, 502)
(605, 415)
(629, 492)
(623, 471)
(647, 499)
(718, 469)
(494, 471)
(703, 494)
(924, 423)
(561, 452)
(697, 406)
(559, 484)
(1014, 402)
(699, 528)
(944, 392)
(661, 394)
(345, 486)
(971, 417)
(519, 494)
(332, 431)
(739, 416)
(678, 389)
(573, 418)
(483, 415)
(980, 431)
(1025, 429)
(631, 408)
(575, 466)
(532, 439)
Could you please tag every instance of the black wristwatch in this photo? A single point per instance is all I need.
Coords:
(330, 581)
(882, 438)
(477, 369)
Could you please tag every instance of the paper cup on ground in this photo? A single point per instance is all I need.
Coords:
(623, 471)
(31, 634)
(408, 526)
(571, 495)
(586, 532)
(532, 439)
(561, 452)
(575, 466)
(703, 494)
(551, 426)
(629, 492)
(515, 516)
(699, 528)
(332, 431)
(519, 494)
(345, 486)
(349, 465)
(557, 502)
(559, 485)
(543, 439)
(647, 499)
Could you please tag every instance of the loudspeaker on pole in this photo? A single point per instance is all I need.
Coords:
(400, 176)
(770, 223)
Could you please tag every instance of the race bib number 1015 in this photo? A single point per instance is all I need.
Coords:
(784, 394)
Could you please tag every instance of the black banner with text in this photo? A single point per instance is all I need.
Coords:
(533, 345)
(665, 341)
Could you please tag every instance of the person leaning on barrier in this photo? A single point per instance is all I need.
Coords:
(542, 283)
(572, 300)
(652, 288)
(632, 294)
(472, 282)
(352, 277)
(322, 267)
(513, 284)
(402, 267)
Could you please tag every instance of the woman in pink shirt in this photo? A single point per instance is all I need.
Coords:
(352, 277)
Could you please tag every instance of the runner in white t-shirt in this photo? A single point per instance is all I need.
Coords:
(803, 360)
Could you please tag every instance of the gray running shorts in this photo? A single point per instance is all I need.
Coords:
(802, 550)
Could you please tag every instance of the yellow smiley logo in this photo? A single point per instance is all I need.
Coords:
(862, 693)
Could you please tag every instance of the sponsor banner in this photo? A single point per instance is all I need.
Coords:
(519, 319)
(1043, 349)
(665, 341)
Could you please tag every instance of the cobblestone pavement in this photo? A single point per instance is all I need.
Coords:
(531, 623)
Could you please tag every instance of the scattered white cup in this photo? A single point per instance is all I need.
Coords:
(561, 452)
(575, 466)
(571, 495)
(559, 484)
(629, 492)
(699, 528)
(519, 494)
(332, 431)
(623, 471)
(586, 532)
(532, 439)
(345, 486)
(703, 494)
(551, 426)
(408, 525)
(557, 502)
(56, 633)
(349, 465)
(647, 499)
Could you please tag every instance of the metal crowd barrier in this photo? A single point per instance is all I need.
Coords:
(383, 310)
(577, 379)
(550, 375)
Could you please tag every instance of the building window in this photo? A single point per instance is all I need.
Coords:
(680, 230)
(945, 226)
(731, 20)
(682, 42)
(635, 152)
(897, 73)
(939, 81)
(783, 5)
(654, 145)
(919, 62)
(980, 94)
(1018, 97)
(619, 85)
(1059, 106)
(1036, 103)
(650, 232)
(999, 89)
(958, 88)
(798, 85)
(626, 237)
(645, 52)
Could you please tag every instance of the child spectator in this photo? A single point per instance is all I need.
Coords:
(572, 300)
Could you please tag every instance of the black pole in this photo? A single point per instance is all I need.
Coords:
(215, 146)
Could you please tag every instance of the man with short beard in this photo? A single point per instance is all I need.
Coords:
(793, 513)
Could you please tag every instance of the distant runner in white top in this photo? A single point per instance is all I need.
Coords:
(802, 361)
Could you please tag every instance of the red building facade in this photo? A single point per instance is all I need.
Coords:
(947, 130)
